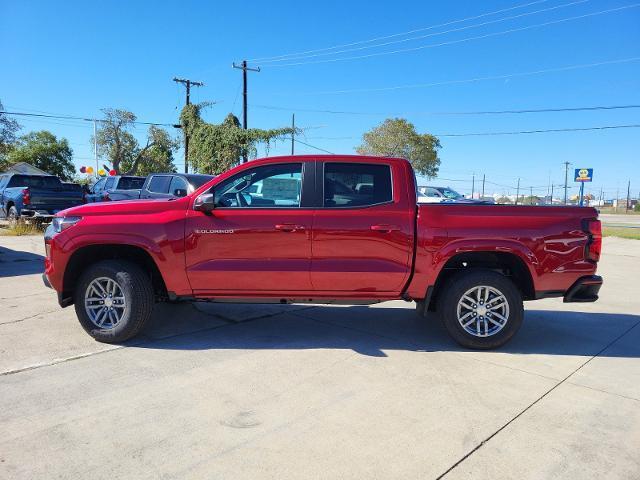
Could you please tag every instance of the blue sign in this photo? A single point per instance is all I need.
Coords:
(583, 175)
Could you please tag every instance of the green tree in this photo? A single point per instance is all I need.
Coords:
(43, 150)
(8, 130)
(216, 148)
(120, 147)
(504, 200)
(396, 137)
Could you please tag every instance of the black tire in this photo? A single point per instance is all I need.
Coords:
(455, 289)
(138, 293)
(13, 217)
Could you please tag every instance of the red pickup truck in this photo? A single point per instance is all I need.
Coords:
(321, 229)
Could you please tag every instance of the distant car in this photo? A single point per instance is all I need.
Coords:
(116, 187)
(36, 197)
(172, 185)
(444, 195)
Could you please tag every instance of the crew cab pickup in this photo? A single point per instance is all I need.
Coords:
(36, 197)
(321, 229)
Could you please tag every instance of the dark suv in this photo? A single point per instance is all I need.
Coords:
(172, 185)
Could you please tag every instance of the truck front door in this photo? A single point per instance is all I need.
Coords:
(256, 239)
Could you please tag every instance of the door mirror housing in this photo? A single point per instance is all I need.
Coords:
(180, 192)
(204, 203)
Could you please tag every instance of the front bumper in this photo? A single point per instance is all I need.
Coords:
(585, 289)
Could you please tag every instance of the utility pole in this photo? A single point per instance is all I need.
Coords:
(530, 195)
(566, 179)
(601, 202)
(483, 178)
(95, 143)
(551, 199)
(293, 131)
(244, 68)
(628, 195)
(187, 84)
(473, 184)
(518, 191)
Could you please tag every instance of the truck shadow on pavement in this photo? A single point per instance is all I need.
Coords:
(14, 263)
(373, 330)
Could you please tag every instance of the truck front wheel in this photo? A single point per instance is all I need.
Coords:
(113, 300)
(481, 309)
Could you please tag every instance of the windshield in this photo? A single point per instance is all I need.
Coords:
(452, 194)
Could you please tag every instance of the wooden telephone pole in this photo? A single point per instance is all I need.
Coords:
(187, 83)
(243, 66)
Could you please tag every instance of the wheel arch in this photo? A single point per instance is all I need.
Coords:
(88, 255)
(508, 264)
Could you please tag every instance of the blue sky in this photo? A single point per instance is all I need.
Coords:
(78, 57)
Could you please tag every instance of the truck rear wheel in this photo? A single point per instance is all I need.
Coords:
(481, 309)
(113, 300)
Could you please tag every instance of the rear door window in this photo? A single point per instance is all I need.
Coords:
(98, 186)
(159, 184)
(356, 185)
(130, 183)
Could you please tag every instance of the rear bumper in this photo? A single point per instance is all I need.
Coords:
(585, 289)
(38, 214)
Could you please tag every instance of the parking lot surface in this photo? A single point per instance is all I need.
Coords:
(298, 391)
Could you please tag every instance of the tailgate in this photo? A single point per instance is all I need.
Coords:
(54, 200)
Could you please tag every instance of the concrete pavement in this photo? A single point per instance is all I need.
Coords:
(294, 391)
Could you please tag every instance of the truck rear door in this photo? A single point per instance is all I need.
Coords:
(363, 232)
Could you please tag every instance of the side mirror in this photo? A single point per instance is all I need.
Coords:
(180, 192)
(204, 203)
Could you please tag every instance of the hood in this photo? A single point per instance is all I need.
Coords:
(126, 207)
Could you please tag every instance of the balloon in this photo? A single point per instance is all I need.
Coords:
(112, 172)
(89, 170)
(83, 169)
(101, 172)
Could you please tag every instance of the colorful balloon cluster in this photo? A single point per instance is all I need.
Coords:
(101, 172)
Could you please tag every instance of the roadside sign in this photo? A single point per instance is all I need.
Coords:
(583, 175)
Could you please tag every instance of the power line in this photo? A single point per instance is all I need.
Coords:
(420, 37)
(524, 132)
(452, 22)
(85, 119)
(479, 112)
(312, 146)
(468, 80)
(461, 40)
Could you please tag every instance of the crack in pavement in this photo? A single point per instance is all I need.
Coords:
(29, 317)
(142, 340)
(532, 404)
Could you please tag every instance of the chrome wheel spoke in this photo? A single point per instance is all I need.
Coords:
(483, 311)
(105, 303)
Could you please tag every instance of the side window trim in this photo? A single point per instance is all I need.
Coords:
(321, 184)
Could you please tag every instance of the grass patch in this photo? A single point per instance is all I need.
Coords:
(633, 233)
(20, 230)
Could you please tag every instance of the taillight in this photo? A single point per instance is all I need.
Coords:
(594, 247)
(26, 196)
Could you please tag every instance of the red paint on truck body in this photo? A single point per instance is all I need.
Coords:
(393, 250)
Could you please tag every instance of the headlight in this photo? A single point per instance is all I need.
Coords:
(62, 223)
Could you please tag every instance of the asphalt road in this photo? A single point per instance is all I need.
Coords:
(255, 391)
(620, 220)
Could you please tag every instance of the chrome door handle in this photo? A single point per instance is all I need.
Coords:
(289, 227)
(385, 228)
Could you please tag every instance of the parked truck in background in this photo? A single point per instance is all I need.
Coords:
(304, 229)
(36, 197)
(115, 187)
